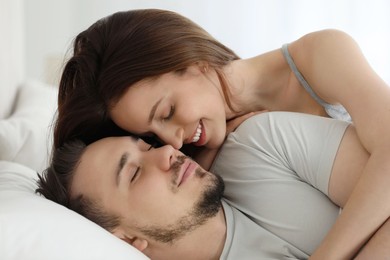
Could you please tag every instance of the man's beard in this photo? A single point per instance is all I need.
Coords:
(207, 207)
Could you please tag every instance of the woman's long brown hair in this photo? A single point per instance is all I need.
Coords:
(118, 51)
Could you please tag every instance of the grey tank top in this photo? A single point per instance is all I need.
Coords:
(334, 111)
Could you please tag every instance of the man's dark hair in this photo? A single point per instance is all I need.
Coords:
(56, 180)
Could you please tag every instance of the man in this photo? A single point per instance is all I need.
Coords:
(284, 173)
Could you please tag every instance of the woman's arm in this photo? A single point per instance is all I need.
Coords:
(378, 247)
(334, 66)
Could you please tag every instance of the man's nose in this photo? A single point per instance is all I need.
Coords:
(163, 157)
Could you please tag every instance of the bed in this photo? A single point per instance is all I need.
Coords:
(32, 227)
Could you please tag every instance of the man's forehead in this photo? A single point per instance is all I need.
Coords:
(111, 142)
(103, 155)
(96, 162)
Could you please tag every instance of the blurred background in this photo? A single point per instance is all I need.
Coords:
(249, 27)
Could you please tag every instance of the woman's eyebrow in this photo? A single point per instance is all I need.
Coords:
(153, 111)
(121, 163)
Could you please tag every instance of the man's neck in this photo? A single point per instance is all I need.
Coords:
(217, 234)
(206, 242)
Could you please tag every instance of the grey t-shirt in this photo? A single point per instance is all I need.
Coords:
(276, 167)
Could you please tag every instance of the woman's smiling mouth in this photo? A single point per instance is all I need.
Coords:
(199, 136)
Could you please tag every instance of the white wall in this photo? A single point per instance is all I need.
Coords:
(11, 53)
(247, 26)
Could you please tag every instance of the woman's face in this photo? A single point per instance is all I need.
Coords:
(177, 108)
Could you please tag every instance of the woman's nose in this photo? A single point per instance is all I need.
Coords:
(173, 136)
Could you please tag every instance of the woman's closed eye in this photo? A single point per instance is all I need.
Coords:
(170, 114)
(135, 175)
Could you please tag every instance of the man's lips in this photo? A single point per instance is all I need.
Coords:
(187, 169)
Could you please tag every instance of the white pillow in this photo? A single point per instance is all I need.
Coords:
(34, 228)
(25, 136)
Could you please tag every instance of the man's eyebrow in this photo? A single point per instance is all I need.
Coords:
(153, 111)
(122, 162)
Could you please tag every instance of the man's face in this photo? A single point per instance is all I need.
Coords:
(158, 193)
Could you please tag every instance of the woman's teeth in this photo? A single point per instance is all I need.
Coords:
(197, 134)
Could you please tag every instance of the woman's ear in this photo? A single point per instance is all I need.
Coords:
(203, 66)
(200, 67)
(139, 243)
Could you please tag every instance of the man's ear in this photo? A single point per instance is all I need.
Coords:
(140, 243)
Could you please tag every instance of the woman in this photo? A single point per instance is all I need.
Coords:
(154, 72)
